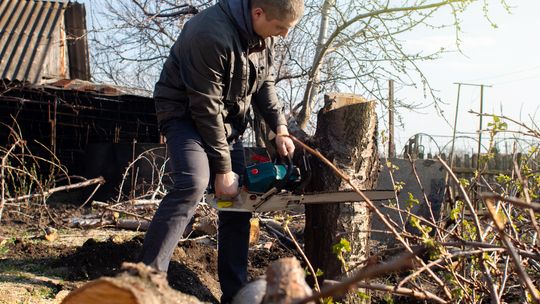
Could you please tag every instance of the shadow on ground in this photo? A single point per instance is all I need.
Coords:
(58, 267)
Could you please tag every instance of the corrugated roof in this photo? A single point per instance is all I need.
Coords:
(26, 28)
(91, 87)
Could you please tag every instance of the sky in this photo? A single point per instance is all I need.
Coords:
(507, 58)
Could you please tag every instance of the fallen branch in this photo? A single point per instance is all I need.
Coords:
(90, 223)
(106, 206)
(422, 295)
(97, 180)
(404, 261)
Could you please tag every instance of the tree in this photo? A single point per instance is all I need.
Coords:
(337, 235)
(339, 45)
(130, 39)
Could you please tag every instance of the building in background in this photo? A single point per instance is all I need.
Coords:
(46, 93)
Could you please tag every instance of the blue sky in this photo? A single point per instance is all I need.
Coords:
(506, 57)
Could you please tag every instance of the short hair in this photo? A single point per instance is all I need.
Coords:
(281, 9)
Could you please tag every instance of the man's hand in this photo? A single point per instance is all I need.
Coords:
(284, 144)
(226, 185)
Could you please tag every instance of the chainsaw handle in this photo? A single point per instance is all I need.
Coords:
(289, 165)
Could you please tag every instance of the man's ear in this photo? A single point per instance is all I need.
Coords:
(257, 12)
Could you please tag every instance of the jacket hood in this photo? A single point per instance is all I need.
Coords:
(241, 13)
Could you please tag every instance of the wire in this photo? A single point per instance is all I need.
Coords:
(506, 74)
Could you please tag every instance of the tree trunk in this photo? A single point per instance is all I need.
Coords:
(347, 135)
(139, 284)
(312, 87)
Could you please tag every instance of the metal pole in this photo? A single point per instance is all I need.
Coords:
(451, 156)
(480, 126)
(479, 132)
(391, 144)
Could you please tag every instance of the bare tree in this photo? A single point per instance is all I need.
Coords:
(339, 45)
(360, 47)
(130, 39)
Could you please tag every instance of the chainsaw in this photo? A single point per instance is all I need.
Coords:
(272, 186)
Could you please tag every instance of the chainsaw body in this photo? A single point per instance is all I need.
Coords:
(261, 177)
(269, 186)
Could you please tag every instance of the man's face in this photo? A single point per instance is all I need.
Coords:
(268, 28)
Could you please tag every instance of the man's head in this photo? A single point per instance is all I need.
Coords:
(275, 17)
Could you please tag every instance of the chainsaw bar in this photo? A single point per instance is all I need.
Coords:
(285, 200)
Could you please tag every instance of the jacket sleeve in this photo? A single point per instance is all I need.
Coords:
(203, 60)
(266, 99)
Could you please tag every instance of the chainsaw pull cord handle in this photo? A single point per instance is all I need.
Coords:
(279, 185)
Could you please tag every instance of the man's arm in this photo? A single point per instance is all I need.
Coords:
(203, 62)
(270, 108)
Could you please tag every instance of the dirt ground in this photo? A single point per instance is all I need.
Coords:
(35, 270)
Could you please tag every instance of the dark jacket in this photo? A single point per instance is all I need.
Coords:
(215, 69)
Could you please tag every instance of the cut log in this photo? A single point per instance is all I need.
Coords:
(284, 283)
(347, 135)
(138, 284)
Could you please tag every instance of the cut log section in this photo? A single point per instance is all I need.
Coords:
(284, 284)
(138, 284)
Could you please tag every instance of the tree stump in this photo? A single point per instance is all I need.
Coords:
(347, 135)
(139, 284)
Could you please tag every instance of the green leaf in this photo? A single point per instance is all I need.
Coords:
(341, 247)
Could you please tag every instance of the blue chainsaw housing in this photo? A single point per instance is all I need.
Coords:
(262, 177)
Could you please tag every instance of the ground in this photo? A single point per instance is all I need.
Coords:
(35, 270)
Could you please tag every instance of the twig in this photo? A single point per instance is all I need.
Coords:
(313, 273)
(413, 166)
(450, 257)
(422, 295)
(512, 200)
(391, 173)
(131, 166)
(522, 252)
(466, 197)
(404, 261)
(89, 197)
(479, 234)
(525, 191)
(2, 177)
(533, 133)
(525, 279)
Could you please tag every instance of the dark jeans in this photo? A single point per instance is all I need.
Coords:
(191, 176)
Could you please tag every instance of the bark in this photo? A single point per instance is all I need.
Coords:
(139, 284)
(347, 135)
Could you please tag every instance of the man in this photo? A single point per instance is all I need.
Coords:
(219, 66)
